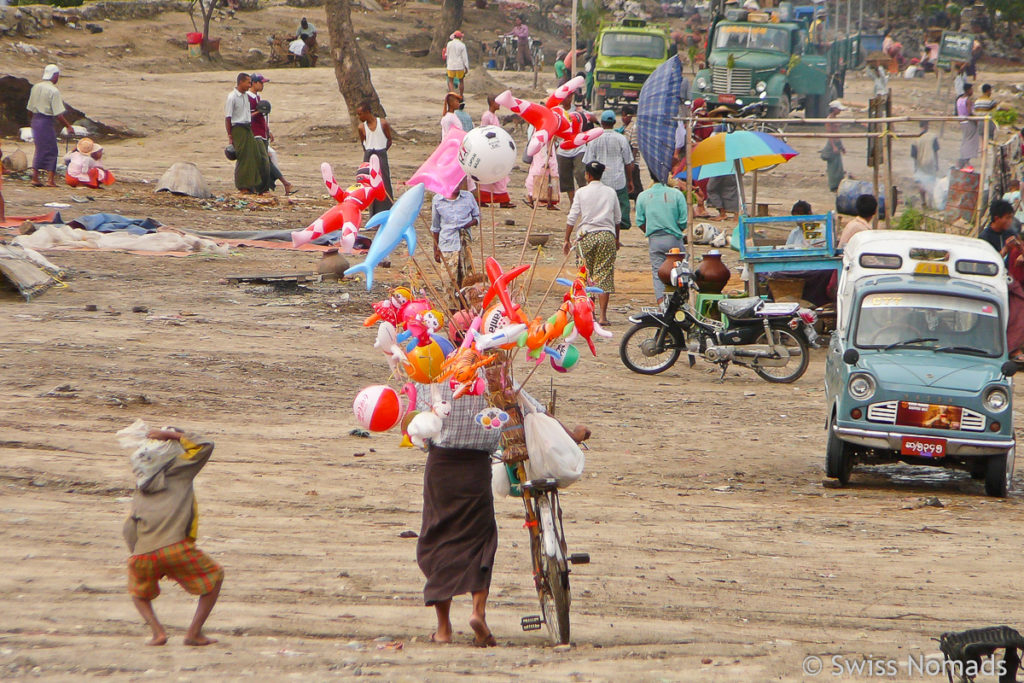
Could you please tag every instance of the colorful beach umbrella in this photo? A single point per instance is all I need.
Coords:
(742, 151)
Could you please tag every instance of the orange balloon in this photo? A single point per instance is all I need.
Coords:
(424, 362)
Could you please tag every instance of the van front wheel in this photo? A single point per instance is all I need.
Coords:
(838, 459)
(999, 474)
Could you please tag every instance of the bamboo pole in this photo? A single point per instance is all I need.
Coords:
(481, 223)
(536, 200)
(863, 121)
(981, 181)
(890, 201)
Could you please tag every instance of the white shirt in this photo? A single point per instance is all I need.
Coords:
(297, 47)
(457, 56)
(44, 98)
(237, 107)
(595, 208)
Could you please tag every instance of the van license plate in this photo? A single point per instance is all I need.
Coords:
(630, 93)
(923, 447)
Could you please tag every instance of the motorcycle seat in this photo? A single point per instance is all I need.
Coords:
(739, 308)
(779, 309)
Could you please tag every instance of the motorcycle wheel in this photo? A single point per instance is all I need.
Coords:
(799, 357)
(649, 348)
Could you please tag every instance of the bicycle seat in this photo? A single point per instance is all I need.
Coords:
(540, 485)
(739, 308)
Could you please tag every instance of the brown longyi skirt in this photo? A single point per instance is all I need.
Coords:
(459, 536)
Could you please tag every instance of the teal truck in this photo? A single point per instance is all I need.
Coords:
(749, 54)
(627, 53)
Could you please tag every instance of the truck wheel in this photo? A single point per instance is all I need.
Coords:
(999, 474)
(838, 459)
(816, 107)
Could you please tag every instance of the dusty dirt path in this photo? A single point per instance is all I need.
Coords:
(717, 553)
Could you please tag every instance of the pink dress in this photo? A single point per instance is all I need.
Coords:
(536, 176)
(493, 192)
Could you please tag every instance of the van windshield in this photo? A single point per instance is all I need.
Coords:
(747, 37)
(633, 45)
(944, 323)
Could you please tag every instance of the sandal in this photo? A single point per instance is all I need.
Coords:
(506, 205)
(489, 641)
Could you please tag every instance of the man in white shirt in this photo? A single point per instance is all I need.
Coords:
(46, 105)
(252, 163)
(456, 62)
(596, 214)
(612, 151)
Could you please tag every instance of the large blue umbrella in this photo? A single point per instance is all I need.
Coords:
(656, 113)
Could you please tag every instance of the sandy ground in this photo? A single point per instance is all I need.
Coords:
(717, 552)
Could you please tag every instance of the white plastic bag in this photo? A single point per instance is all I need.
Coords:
(133, 436)
(553, 453)
(150, 456)
(501, 487)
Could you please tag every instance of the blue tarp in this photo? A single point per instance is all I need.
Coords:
(111, 222)
(656, 113)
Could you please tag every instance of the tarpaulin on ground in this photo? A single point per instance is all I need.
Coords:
(112, 222)
(28, 272)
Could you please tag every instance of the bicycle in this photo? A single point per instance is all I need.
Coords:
(548, 551)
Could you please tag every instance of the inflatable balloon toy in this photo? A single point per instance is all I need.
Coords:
(503, 338)
(346, 216)
(406, 443)
(458, 323)
(567, 358)
(427, 425)
(487, 154)
(494, 319)
(461, 368)
(447, 348)
(441, 172)
(536, 337)
(550, 120)
(422, 363)
(418, 330)
(584, 324)
(499, 288)
(378, 407)
(491, 418)
(389, 309)
(396, 224)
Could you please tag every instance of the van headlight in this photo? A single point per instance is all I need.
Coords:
(761, 86)
(701, 83)
(861, 386)
(996, 400)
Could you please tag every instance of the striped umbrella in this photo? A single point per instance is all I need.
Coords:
(657, 109)
(736, 153)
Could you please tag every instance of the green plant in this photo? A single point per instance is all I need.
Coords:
(588, 20)
(910, 219)
(1005, 117)
(730, 61)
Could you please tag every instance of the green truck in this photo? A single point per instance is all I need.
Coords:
(627, 53)
(750, 54)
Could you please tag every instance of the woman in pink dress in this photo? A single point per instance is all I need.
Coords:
(496, 192)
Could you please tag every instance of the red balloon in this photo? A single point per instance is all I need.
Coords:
(377, 408)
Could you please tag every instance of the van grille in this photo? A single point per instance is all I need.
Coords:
(730, 81)
(971, 421)
(883, 412)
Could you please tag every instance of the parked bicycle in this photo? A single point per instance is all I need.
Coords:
(506, 53)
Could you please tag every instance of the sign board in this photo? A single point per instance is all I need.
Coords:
(955, 47)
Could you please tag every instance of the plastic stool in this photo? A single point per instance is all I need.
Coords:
(706, 303)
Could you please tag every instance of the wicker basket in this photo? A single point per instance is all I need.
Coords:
(786, 288)
(499, 395)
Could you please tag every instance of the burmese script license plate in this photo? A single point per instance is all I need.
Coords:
(923, 447)
(630, 93)
(726, 99)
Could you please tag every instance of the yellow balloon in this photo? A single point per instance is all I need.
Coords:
(424, 362)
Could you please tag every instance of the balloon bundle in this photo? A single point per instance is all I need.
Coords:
(410, 333)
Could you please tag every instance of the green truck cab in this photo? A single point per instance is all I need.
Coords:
(917, 369)
(750, 54)
(627, 54)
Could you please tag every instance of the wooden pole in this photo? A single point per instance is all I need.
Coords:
(753, 192)
(689, 189)
(890, 201)
(981, 181)
(481, 223)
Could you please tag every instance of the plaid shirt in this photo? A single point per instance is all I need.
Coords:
(460, 429)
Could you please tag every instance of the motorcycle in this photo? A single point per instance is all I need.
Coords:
(748, 117)
(772, 339)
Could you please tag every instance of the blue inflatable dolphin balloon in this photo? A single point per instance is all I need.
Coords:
(397, 224)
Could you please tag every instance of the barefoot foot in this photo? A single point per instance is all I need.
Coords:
(158, 640)
(200, 641)
(482, 635)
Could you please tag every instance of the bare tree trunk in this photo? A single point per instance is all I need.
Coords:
(451, 19)
(208, 6)
(349, 65)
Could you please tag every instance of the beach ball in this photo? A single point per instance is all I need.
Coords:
(377, 408)
(487, 154)
(570, 357)
(446, 346)
(424, 363)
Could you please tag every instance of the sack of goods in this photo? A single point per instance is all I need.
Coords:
(553, 453)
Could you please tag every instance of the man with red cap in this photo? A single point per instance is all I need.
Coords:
(456, 59)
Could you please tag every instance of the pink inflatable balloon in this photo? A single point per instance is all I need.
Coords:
(441, 172)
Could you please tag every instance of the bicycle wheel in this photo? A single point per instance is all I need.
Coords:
(554, 590)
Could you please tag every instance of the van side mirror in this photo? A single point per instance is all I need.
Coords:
(851, 356)
(1009, 368)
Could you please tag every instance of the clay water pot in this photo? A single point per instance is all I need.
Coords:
(332, 264)
(672, 259)
(711, 275)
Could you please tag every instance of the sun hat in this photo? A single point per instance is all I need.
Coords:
(86, 146)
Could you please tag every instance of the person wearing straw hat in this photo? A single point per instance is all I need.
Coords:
(84, 167)
(456, 61)
(46, 104)
(833, 151)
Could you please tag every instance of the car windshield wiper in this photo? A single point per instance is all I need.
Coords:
(965, 349)
(908, 342)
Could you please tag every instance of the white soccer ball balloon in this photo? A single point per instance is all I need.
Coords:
(487, 154)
